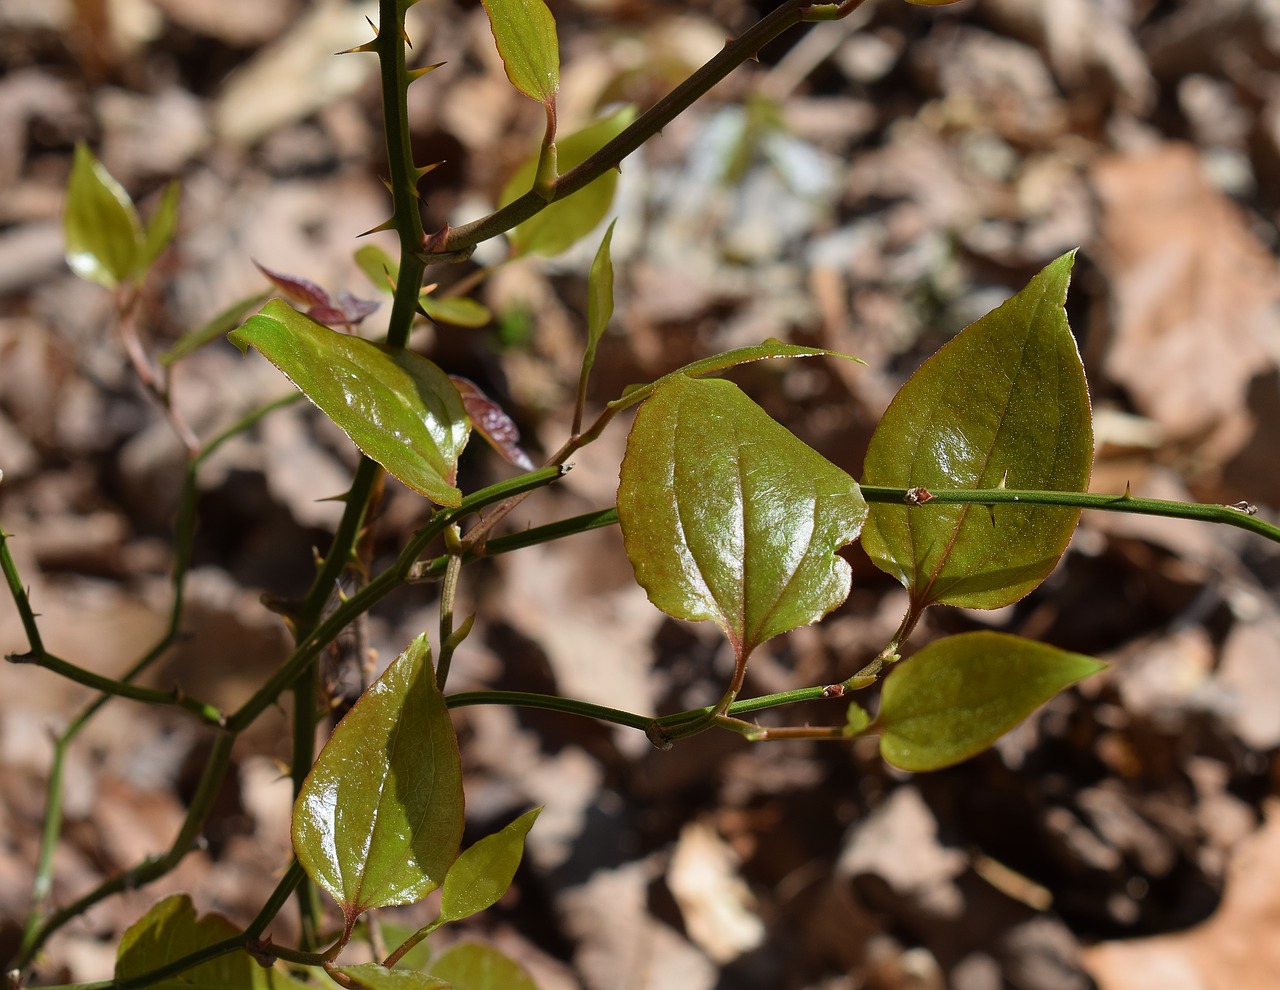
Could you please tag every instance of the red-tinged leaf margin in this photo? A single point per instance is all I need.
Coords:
(726, 515)
(525, 33)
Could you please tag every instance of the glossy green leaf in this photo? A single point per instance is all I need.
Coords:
(457, 311)
(171, 930)
(565, 221)
(218, 327)
(378, 266)
(482, 874)
(161, 228)
(770, 349)
(372, 976)
(395, 405)
(727, 516)
(100, 224)
(379, 818)
(1003, 404)
(599, 304)
(960, 694)
(525, 33)
(471, 966)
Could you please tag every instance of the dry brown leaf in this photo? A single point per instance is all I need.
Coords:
(1235, 948)
(717, 906)
(1194, 293)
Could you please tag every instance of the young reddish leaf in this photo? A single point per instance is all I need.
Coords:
(371, 976)
(457, 311)
(482, 874)
(396, 406)
(345, 311)
(296, 289)
(564, 222)
(960, 694)
(171, 930)
(471, 966)
(104, 240)
(525, 33)
(727, 516)
(379, 817)
(493, 424)
(1003, 404)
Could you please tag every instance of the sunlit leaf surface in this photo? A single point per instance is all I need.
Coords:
(1003, 404)
(396, 406)
(727, 516)
(379, 818)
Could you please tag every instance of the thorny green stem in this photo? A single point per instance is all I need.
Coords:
(1241, 516)
(183, 537)
(378, 587)
(406, 220)
(458, 242)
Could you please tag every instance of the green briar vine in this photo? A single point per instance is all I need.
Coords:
(972, 486)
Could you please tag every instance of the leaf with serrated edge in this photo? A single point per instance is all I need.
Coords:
(525, 33)
(482, 874)
(371, 976)
(104, 239)
(379, 818)
(395, 405)
(561, 224)
(471, 966)
(960, 694)
(727, 516)
(1002, 405)
(171, 930)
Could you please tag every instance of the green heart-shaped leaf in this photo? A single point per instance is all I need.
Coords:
(561, 224)
(727, 516)
(960, 694)
(395, 405)
(1003, 404)
(525, 33)
(379, 818)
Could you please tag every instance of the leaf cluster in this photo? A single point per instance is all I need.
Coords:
(971, 488)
